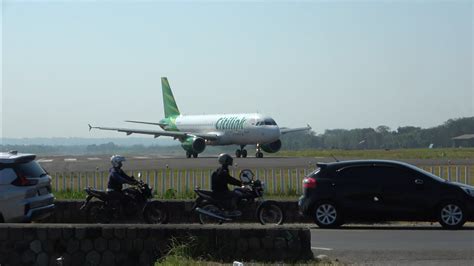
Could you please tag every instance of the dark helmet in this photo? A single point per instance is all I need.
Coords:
(117, 160)
(225, 159)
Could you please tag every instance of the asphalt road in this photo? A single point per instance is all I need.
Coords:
(152, 162)
(395, 245)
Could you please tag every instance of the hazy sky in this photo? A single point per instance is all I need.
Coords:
(333, 65)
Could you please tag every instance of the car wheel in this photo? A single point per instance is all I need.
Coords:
(327, 215)
(451, 215)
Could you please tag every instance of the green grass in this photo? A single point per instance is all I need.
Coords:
(397, 154)
(185, 252)
(68, 194)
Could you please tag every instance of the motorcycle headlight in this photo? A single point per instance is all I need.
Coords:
(469, 191)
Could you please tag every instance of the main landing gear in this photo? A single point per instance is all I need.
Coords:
(259, 153)
(189, 154)
(241, 152)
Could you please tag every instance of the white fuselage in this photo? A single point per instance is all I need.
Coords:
(240, 129)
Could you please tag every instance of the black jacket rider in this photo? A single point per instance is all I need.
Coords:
(219, 181)
(117, 177)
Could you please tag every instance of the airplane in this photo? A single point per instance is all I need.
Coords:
(195, 132)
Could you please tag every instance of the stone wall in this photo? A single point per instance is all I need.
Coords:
(43, 244)
(67, 211)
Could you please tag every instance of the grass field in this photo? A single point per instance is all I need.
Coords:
(445, 153)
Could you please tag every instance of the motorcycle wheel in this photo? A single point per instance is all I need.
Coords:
(97, 212)
(155, 213)
(269, 212)
(206, 219)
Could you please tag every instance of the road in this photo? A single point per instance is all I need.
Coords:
(153, 162)
(390, 245)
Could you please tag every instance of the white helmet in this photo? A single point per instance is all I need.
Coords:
(117, 160)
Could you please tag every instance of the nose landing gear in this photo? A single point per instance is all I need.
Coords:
(259, 153)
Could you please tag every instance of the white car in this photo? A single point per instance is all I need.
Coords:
(25, 189)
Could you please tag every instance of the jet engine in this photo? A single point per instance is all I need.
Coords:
(271, 147)
(194, 145)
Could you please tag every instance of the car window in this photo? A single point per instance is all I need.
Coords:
(29, 169)
(394, 175)
(7, 175)
(427, 174)
(359, 174)
(315, 172)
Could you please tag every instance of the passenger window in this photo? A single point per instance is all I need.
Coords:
(393, 175)
(7, 175)
(357, 174)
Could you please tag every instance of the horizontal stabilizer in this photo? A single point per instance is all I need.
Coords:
(285, 130)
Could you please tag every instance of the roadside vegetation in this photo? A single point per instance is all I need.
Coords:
(186, 252)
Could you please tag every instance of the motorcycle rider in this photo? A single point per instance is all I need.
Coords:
(117, 177)
(220, 179)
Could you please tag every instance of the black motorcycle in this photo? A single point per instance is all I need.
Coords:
(107, 208)
(212, 210)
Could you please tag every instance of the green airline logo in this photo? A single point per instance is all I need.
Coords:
(230, 123)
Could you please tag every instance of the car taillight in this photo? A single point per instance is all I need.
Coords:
(309, 182)
(22, 181)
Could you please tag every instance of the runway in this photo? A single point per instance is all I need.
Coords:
(389, 245)
(152, 162)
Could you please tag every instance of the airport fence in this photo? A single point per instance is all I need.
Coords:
(278, 181)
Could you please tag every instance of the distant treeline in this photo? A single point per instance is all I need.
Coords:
(381, 137)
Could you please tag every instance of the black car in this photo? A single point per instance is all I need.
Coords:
(375, 190)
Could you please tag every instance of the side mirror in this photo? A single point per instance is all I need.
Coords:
(246, 176)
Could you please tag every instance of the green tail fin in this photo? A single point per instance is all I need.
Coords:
(171, 109)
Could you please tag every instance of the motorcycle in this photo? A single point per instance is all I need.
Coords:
(138, 202)
(215, 211)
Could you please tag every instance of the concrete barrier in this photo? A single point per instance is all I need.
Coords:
(84, 244)
(67, 211)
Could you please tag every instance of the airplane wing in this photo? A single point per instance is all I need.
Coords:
(148, 123)
(290, 130)
(158, 133)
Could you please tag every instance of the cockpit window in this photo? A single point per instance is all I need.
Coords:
(270, 122)
(266, 122)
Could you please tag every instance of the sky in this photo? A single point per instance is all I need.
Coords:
(329, 64)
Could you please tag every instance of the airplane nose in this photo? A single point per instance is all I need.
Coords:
(276, 132)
